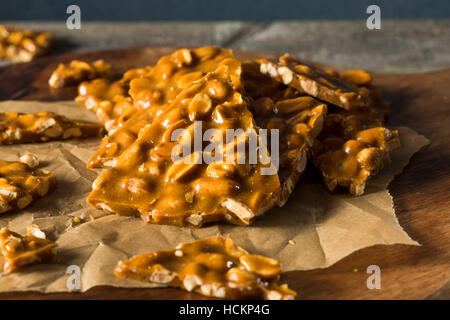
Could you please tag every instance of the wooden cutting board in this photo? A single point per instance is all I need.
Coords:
(421, 193)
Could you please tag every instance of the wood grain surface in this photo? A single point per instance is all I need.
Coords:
(421, 192)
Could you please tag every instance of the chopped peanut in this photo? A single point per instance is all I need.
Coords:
(30, 159)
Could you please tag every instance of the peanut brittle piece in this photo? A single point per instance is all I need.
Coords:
(43, 126)
(110, 99)
(214, 267)
(23, 45)
(179, 70)
(20, 184)
(78, 71)
(20, 251)
(118, 140)
(152, 86)
(315, 82)
(352, 147)
(107, 99)
(298, 118)
(196, 188)
(159, 87)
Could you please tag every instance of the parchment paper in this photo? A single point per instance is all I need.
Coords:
(313, 230)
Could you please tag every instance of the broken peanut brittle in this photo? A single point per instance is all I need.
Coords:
(117, 141)
(151, 86)
(110, 99)
(20, 184)
(159, 87)
(315, 82)
(107, 99)
(146, 181)
(298, 118)
(23, 45)
(43, 126)
(78, 71)
(353, 146)
(214, 267)
(19, 251)
(347, 152)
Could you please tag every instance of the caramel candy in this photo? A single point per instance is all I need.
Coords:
(43, 126)
(19, 251)
(151, 93)
(326, 86)
(23, 45)
(298, 118)
(20, 184)
(214, 267)
(78, 71)
(147, 181)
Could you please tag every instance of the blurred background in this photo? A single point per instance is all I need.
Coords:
(414, 34)
(209, 10)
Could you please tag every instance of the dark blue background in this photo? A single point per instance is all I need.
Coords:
(203, 10)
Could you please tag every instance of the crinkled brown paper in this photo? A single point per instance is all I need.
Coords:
(314, 229)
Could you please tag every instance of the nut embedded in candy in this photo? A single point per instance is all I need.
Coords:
(21, 184)
(188, 193)
(23, 45)
(214, 267)
(315, 82)
(19, 251)
(43, 126)
(78, 71)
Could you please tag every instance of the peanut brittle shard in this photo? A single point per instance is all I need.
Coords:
(354, 144)
(298, 118)
(78, 71)
(23, 45)
(43, 126)
(214, 267)
(19, 251)
(160, 86)
(141, 88)
(313, 81)
(146, 181)
(107, 99)
(347, 155)
(20, 185)
(110, 99)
